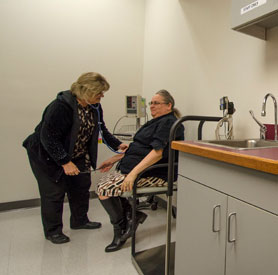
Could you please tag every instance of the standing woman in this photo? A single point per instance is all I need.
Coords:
(62, 150)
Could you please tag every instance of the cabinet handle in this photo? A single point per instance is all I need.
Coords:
(213, 218)
(231, 240)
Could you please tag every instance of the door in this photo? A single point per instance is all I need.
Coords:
(252, 247)
(201, 227)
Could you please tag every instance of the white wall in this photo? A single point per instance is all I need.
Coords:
(191, 51)
(188, 49)
(45, 46)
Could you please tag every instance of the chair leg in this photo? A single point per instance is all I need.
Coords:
(174, 212)
(133, 238)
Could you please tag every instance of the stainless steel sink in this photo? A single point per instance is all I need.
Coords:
(243, 144)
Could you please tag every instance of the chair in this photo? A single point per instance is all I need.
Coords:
(151, 201)
(157, 260)
(143, 192)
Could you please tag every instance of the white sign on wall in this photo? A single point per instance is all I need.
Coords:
(252, 6)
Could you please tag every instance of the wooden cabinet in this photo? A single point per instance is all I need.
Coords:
(218, 234)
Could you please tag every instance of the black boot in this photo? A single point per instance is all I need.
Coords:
(140, 218)
(117, 242)
(114, 209)
(126, 208)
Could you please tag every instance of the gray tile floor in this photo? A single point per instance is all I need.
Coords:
(24, 251)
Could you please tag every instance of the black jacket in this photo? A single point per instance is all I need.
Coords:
(52, 143)
(152, 135)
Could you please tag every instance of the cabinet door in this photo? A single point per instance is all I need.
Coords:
(201, 227)
(255, 234)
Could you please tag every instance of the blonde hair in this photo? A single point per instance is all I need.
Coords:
(89, 85)
(169, 99)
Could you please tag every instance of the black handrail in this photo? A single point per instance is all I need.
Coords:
(172, 137)
(200, 129)
(171, 159)
(134, 192)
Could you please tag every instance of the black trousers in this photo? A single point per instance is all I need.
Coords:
(52, 198)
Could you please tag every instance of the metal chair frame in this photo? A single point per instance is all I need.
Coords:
(168, 190)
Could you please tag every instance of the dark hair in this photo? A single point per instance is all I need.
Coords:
(169, 99)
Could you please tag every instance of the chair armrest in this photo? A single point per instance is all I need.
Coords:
(155, 166)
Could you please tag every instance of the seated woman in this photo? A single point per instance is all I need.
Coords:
(150, 146)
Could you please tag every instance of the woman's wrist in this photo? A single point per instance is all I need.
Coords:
(133, 174)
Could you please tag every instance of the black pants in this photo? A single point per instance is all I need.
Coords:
(52, 198)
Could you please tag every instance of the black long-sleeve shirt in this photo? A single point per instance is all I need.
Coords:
(152, 135)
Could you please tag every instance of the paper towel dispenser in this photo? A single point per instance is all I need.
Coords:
(254, 17)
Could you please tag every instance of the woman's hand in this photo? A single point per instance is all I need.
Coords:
(70, 169)
(123, 146)
(128, 182)
(150, 159)
(108, 164)
(105, 166)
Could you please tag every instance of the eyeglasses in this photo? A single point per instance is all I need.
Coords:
(156, 103)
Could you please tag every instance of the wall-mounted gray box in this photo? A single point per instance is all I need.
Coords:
(254, 17)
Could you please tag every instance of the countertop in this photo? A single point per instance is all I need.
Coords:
(265, 160)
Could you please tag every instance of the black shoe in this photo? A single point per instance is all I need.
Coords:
(140, 218)
(58, 238)
(88, 225)
(116, 244)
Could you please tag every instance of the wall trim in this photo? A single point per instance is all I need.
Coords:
(13, 205)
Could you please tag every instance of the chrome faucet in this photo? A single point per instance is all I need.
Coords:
(263, 113)
(262, 127)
